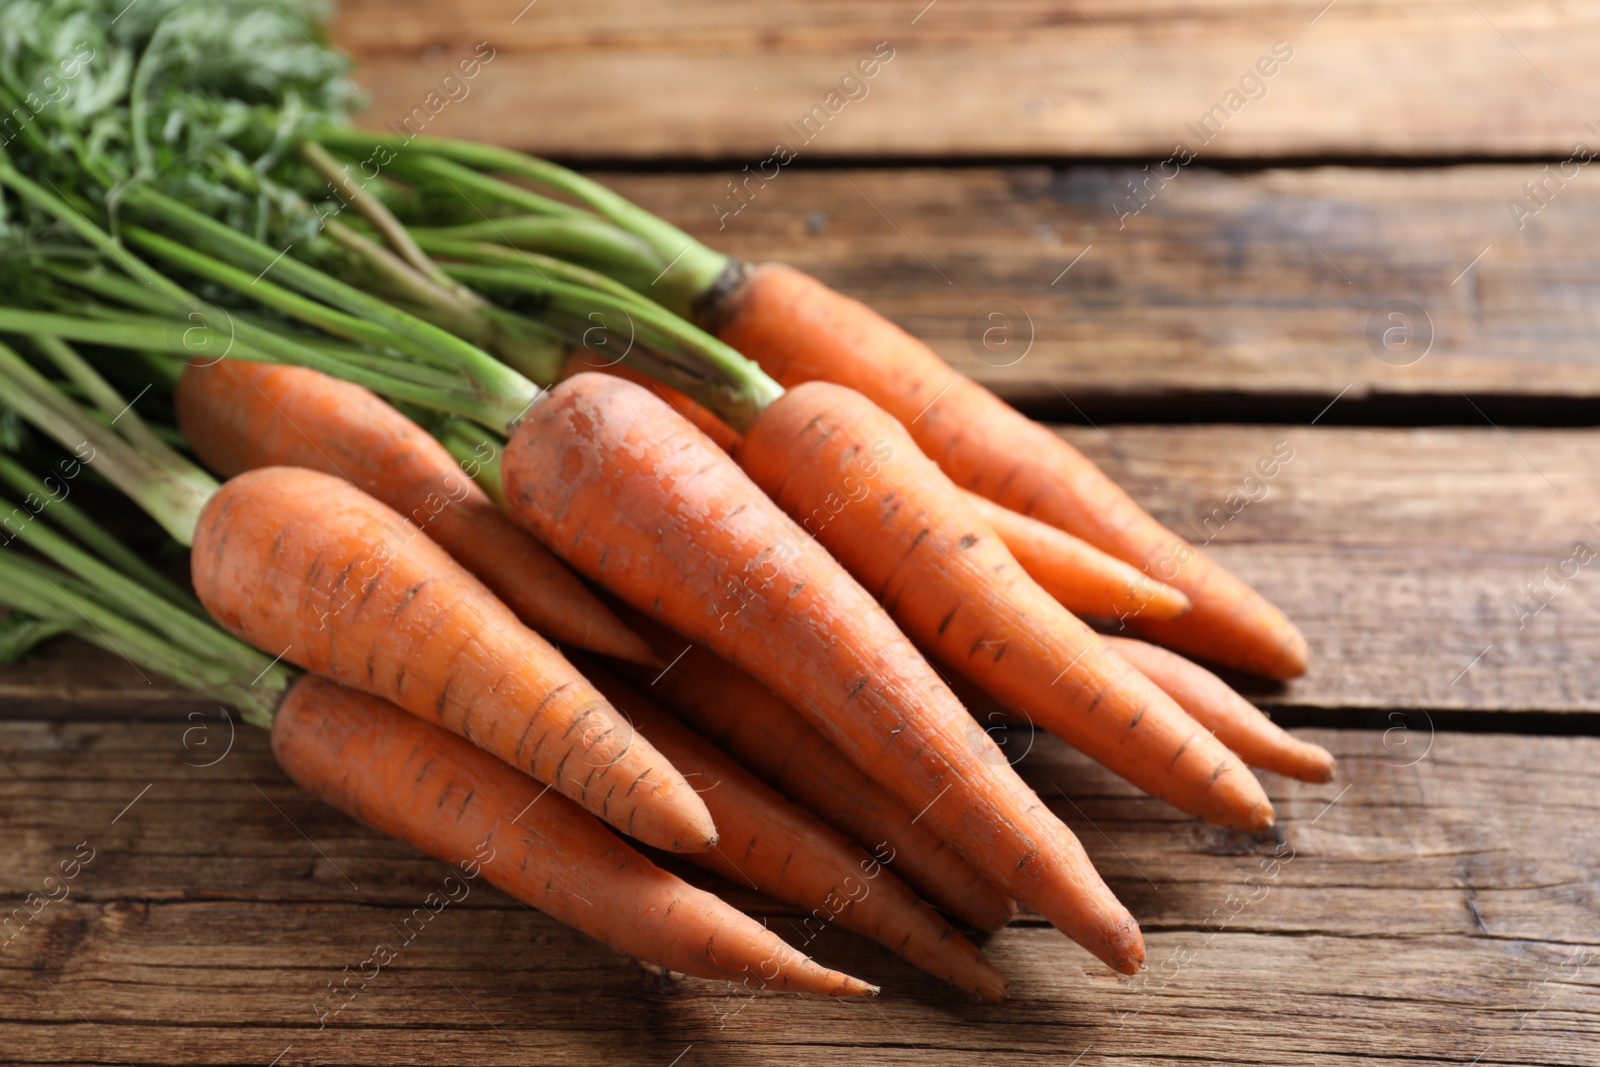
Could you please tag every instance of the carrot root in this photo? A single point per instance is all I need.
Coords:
(748, 720)
(239, 416)
(793, 856)
(1237, 723)
(850, 472)
(421, 785)
(800, 330)
(631, 495)
(1083, 579)
(305, 566)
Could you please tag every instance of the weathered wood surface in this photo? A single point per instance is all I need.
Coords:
(1252, 283)
(711, 78)
(1402, 554)
(1422, 909)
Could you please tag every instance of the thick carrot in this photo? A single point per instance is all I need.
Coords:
(724, 436)
(629, 493)
(1237, 723)
(1084, 579)
(304, 565)
(789, 854)
(238, 416)
(749, 720)
(458, 804)
(800, 330)
(850, 472)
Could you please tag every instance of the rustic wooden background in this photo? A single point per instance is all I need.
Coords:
(1440, 903)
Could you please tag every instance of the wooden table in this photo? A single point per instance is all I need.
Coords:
(1342, 267)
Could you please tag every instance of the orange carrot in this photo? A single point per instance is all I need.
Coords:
(724, 436)
(771, 845)
(305, 566)
(238, 416)
(419, 784)
(624, 489)
(800, 330)
(1237, 723)
(850, 472)
(748, 720)
(1084, 579)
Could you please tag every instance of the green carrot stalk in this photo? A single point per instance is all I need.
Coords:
(21, 633)
(478, 451)
(581, 237)
(517, 257)
(59, 599)
(168, 487)
(114, 588)
(692, 259)
(54, 505)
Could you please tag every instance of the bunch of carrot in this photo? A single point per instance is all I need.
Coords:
(405, 358)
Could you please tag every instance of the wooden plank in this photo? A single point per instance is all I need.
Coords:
(713, 79)
(1402, 554)
(1275, 283)
(72, 677)
(1441, 909)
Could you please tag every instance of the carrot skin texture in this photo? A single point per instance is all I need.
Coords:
(630, 494)
(800, 330)
(238, 416)
(722, 435)
(1083, 579)
(304, 565)
(1214, 704)
(422, 785)
(749, 721)
(909, 535)
(791, 855)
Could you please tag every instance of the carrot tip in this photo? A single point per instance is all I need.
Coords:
(1261, 817)
(855, 987)
(703, 844)
(1131, 958)
(1320, 766)
(993, 991)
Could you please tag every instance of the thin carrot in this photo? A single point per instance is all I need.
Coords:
(846, 468)
(1085, 580)
(305, 565)
(748, 720)
(238, 416)
(629, 493)
(1237, 723)
(788, 853)
(421, 785)
(800, 330)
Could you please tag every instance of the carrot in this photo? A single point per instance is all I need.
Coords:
(846, 468)
(800, 330)
(748, 720)
(238, 416)
(721, 434)
(419, 784)
(305, 565)
(1082, 578)
(1237, 723)
(626, 491)
(791, 855)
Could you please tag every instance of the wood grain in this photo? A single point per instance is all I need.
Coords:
(1270, 283)
(1400, 553)
(714, 79)
(1436, 910)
